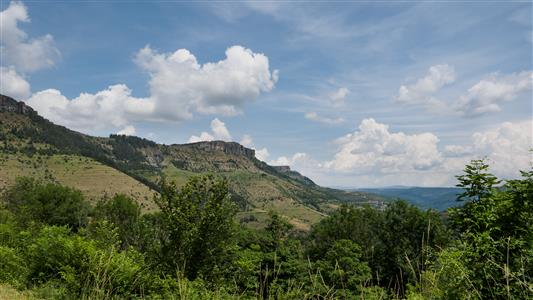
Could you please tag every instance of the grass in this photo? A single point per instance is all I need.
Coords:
(7, 292)
(264, 193)
(91, 177)
(268, 193)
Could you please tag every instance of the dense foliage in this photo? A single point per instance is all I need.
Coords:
(53, 243)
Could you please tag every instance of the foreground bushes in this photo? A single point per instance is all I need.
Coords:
(192, 249)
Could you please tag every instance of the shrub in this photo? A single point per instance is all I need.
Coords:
(13, 269)
(52, 204)
(124, 213)
(71, 261)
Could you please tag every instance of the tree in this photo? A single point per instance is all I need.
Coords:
(394, 242)
(342, 267)
(52, 204)
(476, 181)
(496, 235)
(278, 229)
(198, 224)
(124, 213)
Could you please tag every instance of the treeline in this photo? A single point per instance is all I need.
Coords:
(57, 245)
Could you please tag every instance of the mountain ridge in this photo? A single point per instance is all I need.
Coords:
(255, 185)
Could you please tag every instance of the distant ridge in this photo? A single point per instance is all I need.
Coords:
(438, 198)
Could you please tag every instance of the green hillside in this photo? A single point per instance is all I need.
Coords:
(32, 145)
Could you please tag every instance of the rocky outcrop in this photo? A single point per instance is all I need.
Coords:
(282, 169)
(226, 147)
(8, 104)
(293, 174)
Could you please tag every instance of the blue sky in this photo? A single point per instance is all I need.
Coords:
(355, 94)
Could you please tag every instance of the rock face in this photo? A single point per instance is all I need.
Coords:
(282, 169)
(8, 104)
(293, 174)
(226, 147)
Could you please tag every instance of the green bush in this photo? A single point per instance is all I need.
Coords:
(124, 213)
(82, 268)
(13, 269)
(34, 202)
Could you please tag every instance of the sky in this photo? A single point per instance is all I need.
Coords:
(349, 93)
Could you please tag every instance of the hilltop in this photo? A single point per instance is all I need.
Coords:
(32, 145)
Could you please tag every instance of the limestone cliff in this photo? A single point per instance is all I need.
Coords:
(226, 147)
(8, 104)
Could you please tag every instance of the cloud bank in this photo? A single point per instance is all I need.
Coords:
(179, 88)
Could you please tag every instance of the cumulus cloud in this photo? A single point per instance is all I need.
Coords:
(180, 86)
(218, 132)
(487, 95)
(128, 130)
(507, 146)
(374, 156)
(337, 98)
(261, 154)
(313, 116)
(13, 84)
(289, 161)
(247, 141)
(374, 149)
(17, 49)
(108, 109)
(422, 91)
(457, 150)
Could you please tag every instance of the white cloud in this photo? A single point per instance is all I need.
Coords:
(247, 141)
(105, 110)
(203, 137)
(17, 49)
(457, 150)
(487, 95)
(337, 98)
(373, 149)
(262, 154)
(289, 161)
(128, 130)
(218, 132)
(13, 84)
(373, 156)
(507, 146)
(422, 91)
(313, 116)
(180, 86)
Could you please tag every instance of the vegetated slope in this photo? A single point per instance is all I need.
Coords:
(91, 177)
(438, 198)
(256, 186)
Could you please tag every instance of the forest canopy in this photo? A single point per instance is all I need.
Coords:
(55, 244)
